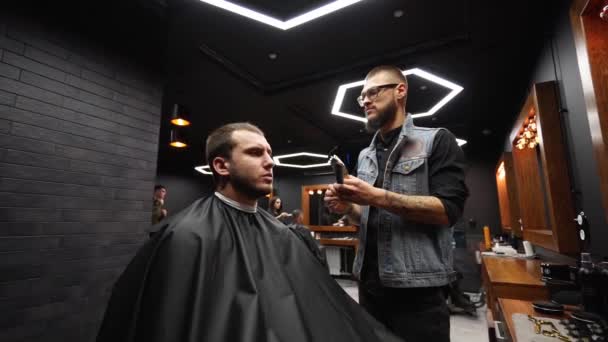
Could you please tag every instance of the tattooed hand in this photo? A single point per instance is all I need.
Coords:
(357, 191)
(334, 203)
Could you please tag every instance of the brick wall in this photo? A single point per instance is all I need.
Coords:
(78, 146)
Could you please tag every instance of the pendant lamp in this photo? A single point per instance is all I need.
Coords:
(177, 140)
(179, 116)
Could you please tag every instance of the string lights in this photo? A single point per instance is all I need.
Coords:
(528, 135)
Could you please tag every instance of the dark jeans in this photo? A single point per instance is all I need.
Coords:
(414, 314)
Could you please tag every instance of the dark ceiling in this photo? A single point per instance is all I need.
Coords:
(219, 67)
(216, 63)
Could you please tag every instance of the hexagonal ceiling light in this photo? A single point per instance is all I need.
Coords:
(278, 162)
(283, 25)
(204, 169)
(455, 89)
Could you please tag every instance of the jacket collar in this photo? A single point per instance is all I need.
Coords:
(406, 129)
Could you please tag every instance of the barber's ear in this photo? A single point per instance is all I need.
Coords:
(220, 165)
(402, 90)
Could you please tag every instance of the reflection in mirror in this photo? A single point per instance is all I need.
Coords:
(319, 215)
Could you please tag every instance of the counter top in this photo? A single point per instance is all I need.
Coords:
(521, 272)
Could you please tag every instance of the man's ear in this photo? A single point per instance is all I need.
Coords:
(402, 91)
(221, 165)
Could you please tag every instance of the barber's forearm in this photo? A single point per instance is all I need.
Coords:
(422, 209)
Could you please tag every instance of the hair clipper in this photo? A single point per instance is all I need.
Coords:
(339, 168)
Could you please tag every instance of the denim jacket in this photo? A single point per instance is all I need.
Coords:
(410, 254)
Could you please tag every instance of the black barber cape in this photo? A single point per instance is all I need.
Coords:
(217, 272)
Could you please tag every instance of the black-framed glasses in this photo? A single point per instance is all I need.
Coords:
(373, 92)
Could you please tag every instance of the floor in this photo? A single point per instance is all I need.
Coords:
(464, 328)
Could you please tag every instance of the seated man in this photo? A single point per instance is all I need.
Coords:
(306, 235)
(222, 270)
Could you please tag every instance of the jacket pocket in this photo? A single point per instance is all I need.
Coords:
(406, 175)
(408, 166)
(366, 176)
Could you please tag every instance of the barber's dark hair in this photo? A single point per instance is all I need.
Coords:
(220, 143)
(389, 69)
(158, 187)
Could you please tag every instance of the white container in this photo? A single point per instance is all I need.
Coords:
(528, 249)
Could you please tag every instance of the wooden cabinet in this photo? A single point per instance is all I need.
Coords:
(543, 197)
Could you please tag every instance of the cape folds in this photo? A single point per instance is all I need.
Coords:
(217, 273)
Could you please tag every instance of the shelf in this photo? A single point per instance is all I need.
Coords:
(332, 229)
(340, 242)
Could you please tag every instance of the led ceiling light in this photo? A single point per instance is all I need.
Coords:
(204, 169)
(283, 25)
(278, 162)
(455, 89)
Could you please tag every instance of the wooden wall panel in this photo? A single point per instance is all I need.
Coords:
(503, 202)
(530, 194)
(591, 40)
(508, 200)
(512, 191)
(560, 205)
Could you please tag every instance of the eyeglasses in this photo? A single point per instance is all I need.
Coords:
(373, 92)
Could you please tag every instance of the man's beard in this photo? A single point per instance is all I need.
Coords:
(244, 186)
(382, 117)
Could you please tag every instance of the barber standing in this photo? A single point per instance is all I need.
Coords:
(408, 192)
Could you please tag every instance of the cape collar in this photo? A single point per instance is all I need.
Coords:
(236, 205)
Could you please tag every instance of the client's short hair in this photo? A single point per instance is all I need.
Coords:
(220, 143)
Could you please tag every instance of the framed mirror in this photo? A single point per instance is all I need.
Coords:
(318, 218)
(545, 203)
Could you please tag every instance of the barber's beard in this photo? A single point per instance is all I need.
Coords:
(243, 185)
(382, 117)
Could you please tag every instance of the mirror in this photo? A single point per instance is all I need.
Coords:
(314, 209)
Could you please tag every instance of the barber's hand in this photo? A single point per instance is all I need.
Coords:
(356, 191)
(283, 215)
(334, 203)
